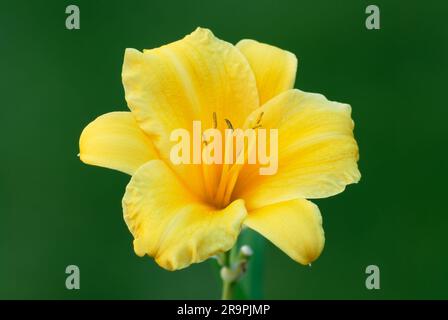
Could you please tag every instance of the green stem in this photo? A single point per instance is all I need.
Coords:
(226, 285)
(227, 261)
(226, 290)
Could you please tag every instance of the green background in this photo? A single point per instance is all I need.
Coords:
(56, 211)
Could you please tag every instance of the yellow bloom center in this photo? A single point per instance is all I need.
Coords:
(219, 191)
(220, 180)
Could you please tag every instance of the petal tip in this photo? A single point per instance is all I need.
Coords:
(138, 247)
(202, 34)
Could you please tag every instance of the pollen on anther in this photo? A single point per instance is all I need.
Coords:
(229, 124)
(259, 117)
(215, 120)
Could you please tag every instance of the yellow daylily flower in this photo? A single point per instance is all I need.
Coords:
(185, 213)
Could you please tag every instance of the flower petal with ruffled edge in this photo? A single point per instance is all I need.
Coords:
(317, 153)
(275, 69)
(171, 224)
(293, 226)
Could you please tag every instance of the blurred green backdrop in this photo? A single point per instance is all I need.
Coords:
(55, 211)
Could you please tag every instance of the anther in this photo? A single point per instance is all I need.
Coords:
(259, 117)
(204, 141)
(215, 120)
(229, 124)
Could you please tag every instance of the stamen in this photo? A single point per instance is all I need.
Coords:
(228, 151)
(258, 123)
(259, 117)
(209, 171)
(230, 186)
(209, 181)
(229, 124)
(235, 170)
(215, 120)
(220, 193)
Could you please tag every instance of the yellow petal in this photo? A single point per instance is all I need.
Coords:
(317, 153)
(114, 140)
(170, 224)
(293, 226)
(274, 68)
(169, 87)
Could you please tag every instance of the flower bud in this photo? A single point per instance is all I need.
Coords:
(246, 251)
(228, 274)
